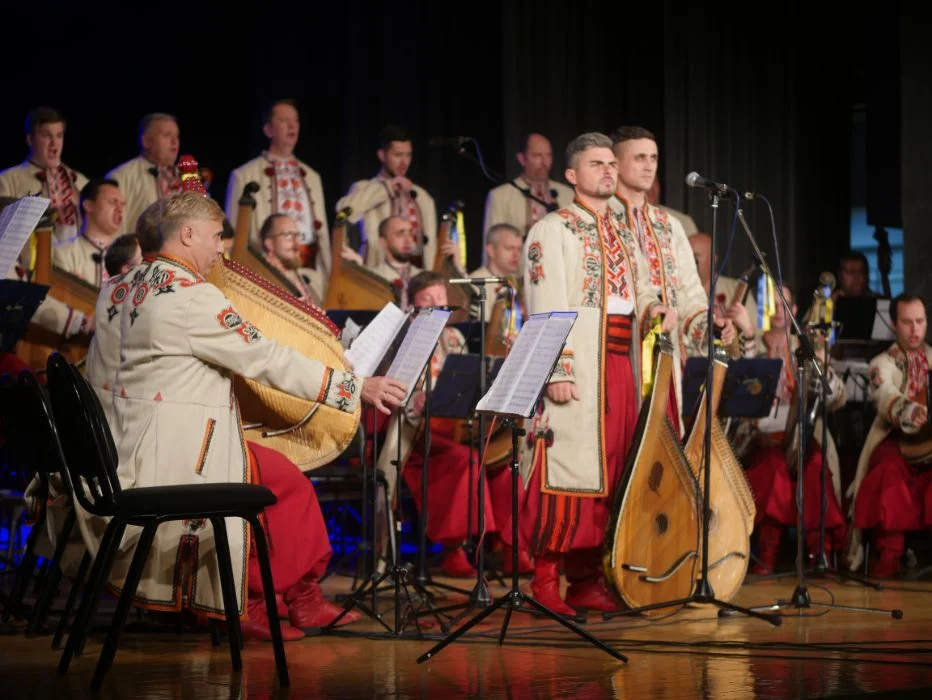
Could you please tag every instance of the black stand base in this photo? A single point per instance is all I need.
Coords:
(700, 599)
(514, 600)
(801, 600)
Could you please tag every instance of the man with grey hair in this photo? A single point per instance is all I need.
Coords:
(503, 244)
(578, 259)
(166, 371)
(152, 175)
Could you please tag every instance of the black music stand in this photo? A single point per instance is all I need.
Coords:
(402, 580)
(515, 598)
(18, 304)
(750, 386)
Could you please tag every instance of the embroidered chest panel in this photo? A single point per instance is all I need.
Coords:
(914, 372)
(654, 235)
(587, 233)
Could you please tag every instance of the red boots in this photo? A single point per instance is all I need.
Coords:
(308, 608)
(546, 584)
(587, 590)
(257, 626)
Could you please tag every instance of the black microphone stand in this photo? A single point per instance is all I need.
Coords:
(800, 598)
(496, 178)
(703, 592)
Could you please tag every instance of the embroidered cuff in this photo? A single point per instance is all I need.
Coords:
(694, 332)
(646, 320)
(563, 371)
(340, 390)
(904, 414)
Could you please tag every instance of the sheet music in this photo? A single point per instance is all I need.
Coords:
(373, 342)
(529, 364)
(416, 348)
(17, 221)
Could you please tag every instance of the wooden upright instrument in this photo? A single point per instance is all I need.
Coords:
(309, 434)
(731, 504)
(353, 286)
(458, 295)
(652, 545)
(38, 343)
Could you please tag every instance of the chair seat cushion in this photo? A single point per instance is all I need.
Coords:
(194, 498)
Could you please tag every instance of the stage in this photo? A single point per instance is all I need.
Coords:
(692, 653)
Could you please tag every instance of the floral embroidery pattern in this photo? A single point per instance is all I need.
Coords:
(345, 392)
(249, 332)
(535, 253)
(229, 318)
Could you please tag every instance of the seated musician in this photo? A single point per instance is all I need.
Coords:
(102, 206)
(726, 306)
(228, 235)
(449, 488)
(580, 436)
(890, 495)
(391, 193)
(769, 475)
(166, 370)
(503, 245)
(124, 253)
(281, 246)
(853, 276)
(396, 239)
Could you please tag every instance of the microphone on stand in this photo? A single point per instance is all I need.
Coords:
(694, 179)
(478, 280)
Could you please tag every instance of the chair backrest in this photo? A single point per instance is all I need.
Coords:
(90, 459)
(35, 428)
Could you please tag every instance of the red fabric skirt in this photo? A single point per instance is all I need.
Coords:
(295, 528)
(560, 523)
(894, 495)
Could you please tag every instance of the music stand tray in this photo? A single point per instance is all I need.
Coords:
(750, 386)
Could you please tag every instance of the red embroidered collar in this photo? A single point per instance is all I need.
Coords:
(183, 264)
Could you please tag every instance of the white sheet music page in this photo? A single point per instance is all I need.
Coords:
(370, 346)
(17, 221)
(529, 364)
(417, 346)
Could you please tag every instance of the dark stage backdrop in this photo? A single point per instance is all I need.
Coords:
(764, 104)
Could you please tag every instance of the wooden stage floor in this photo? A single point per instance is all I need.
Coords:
(692, 653)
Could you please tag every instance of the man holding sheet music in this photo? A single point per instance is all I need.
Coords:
(579, 259)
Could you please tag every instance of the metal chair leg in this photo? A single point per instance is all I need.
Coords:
(230, 606)
(124, 604)
(268, 586)
(72, 597)
(52, 578)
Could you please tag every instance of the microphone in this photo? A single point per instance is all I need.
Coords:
(455, 141)
(694, 179)
(478, 280)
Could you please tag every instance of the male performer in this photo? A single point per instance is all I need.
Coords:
(44, 173)
(653, 196)
(168, 378)
(396, 241)
(891, 496)
(742, 314)
(391, 193)
(663, 242)
(507, 203)
(771, 477)
(286, 186)
(579, 259)
(152, 174)
(124, 253)
(281, 241)
(503, 243)
(83, 256)
(448, 488)
(853, 276)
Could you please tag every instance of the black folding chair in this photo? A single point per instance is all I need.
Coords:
(91, 463)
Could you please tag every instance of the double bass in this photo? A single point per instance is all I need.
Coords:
(652, 544)
(731, 504)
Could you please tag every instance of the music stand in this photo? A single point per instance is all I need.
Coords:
(750, 386)
(514, 599)
(18, 303)
(409, 363)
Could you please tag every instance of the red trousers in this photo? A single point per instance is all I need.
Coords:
(774, 492)
(894, 497)
(449, 488)
(561, 523)
(295, 530)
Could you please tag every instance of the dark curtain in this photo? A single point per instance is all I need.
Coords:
(761, 104)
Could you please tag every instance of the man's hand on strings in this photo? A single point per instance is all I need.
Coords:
(383, 393)
(348, 253)
(728, 334)
(561, 392)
